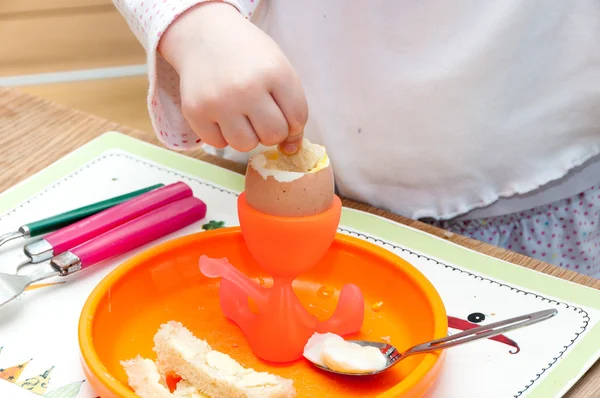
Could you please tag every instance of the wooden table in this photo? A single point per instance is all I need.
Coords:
(35, 133)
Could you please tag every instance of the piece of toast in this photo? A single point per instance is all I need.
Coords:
(214, 373)
(186, 390)
(147, 381)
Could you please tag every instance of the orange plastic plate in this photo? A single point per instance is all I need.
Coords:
(123, 313)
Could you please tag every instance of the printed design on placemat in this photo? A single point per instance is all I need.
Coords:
(457, 322)
(584, 314)
(475, 320)
(38, 384)
(71, 390)
(213, 224)
(12, 373)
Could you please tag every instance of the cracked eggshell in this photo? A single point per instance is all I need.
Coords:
(290, 194)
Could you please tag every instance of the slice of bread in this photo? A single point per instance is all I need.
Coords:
(214, 373)
(186, 390)
(145, 379)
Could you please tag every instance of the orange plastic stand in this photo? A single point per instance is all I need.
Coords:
(285, 247)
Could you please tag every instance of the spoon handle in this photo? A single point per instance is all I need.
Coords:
(481, 332)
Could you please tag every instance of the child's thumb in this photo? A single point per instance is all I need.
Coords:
(292, 144)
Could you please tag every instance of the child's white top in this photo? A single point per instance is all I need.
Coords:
(427, 108)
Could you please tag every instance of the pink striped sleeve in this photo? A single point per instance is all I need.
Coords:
(148, 19)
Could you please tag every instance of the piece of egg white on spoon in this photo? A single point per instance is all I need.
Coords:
(331, 351)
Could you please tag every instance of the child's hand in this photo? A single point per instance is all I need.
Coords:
(237, 87)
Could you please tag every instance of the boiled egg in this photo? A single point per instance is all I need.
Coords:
(332, 351)
(295, 185)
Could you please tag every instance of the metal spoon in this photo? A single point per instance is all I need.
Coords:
(394, 356)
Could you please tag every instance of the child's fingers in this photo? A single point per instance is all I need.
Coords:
(209, 132)
(292, 144)
(291, 99)
(268, 121)
(238, 132)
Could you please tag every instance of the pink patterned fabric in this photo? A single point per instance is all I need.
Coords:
(565, 233)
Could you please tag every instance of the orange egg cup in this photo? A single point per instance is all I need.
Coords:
(286, 248)
(164, 283)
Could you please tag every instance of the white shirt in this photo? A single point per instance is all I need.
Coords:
(436, 108)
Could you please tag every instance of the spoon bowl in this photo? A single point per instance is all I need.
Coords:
(393, 356)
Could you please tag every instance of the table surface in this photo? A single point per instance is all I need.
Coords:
(35, 133)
